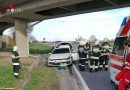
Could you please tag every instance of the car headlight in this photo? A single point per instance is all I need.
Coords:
(50, 59)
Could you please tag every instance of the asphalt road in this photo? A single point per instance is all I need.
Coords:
(97, 80)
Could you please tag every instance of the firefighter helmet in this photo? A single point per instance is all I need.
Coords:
(81, 43)
(105, 39)
(15, 48)
(97, 42)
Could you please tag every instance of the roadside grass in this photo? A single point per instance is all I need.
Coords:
(7, 79)
(37, 48)
(43, 78)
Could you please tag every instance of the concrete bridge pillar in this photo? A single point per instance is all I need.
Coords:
(21, 37)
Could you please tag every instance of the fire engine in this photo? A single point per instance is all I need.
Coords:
(116, 57)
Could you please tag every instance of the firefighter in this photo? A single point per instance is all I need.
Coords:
(103, 61)
(87, 48)
(87, 45)
(15, 61)
(124, 76)
(82, 56)
(95, 54)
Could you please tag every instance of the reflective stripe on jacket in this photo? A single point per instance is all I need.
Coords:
(93, 57)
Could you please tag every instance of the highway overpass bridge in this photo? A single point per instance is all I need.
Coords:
(20, 12)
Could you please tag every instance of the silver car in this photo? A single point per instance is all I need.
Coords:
(59, 55)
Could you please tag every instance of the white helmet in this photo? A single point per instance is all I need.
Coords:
(96, 42)
(15, 48)
(105, 40)
(81, 43)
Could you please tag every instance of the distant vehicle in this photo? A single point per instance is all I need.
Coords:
(61, 54)
(116, 57)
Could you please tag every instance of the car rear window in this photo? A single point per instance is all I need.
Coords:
(62, 50)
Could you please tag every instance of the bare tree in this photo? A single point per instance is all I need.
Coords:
(92, 38)
(79, 38)
(31, 38)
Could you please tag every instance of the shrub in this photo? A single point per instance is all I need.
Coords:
(36, 48)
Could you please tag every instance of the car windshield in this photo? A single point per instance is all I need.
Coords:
(118, 47)
(64, 44)
(63, 50)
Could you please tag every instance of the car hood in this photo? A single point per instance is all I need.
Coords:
(59, 56)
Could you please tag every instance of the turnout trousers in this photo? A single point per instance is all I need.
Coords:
(82, 64)
(16, 69)
(94, 64)
(103, 62)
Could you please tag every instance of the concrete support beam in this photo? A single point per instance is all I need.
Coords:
(21, 37)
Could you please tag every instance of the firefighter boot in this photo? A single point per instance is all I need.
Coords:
(90, 70)
(100, 68)
(82, 68)
(106, 69)
(16, 76)
(79, 67)
(96, 69)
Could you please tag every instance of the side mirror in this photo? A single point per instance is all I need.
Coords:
(73, 51)
(49, 53)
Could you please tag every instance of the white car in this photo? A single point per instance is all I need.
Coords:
(61, 54)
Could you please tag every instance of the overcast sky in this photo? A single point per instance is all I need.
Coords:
(101, 24)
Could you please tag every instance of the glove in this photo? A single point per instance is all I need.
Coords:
(123, 66)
